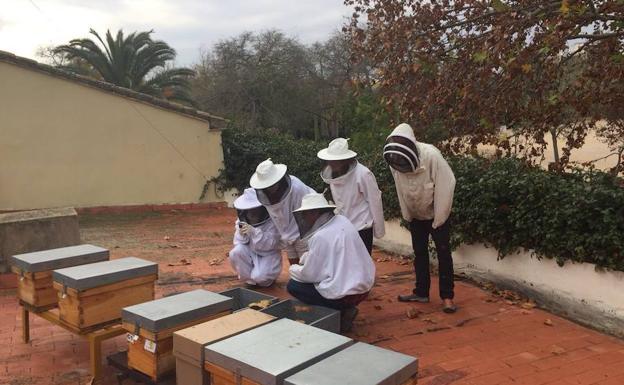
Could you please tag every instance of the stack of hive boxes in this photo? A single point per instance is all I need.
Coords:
(34, 271)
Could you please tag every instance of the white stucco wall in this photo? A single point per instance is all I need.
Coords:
(579, 291)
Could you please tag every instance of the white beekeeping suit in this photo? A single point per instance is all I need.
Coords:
(425, 188)
(281, 194)
(337, 262)
(256, 256)
(355, 192)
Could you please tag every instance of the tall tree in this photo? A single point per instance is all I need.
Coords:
(134, 61)
(269, 80)
(469, 67)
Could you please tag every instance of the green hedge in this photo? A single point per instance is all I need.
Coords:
(504, 203)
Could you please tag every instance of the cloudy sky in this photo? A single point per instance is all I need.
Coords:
(187, 25)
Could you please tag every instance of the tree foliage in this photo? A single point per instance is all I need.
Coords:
(135, 61)
(270, 80)
(469, 67)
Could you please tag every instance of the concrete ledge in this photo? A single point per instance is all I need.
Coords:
(151, 208)
(578, 291)
(28, 231)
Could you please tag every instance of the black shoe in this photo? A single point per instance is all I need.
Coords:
(449, 309)
(347, 316)
(413, 298)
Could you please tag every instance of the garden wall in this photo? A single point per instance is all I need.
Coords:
(578, 291)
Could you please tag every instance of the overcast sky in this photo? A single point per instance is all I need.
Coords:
(187, 25)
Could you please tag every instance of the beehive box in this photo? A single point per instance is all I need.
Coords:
(94, 294)
(152, 324)
(317, 316)
(360, 364)
(245, 298)
(34, 270)
(188, 344)
(270, 353)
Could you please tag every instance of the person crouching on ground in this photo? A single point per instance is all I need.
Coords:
(354, 190)
(281, 194)
(336, 271)
(425, 184)
(256, 256)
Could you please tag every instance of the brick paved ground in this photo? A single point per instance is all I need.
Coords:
(489, 341)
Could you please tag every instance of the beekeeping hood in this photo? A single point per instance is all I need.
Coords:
(249, 209)
(400, 151)
(310, 202)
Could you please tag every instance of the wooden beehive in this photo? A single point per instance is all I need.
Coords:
(189, 343)
(34, 270)
(94, 294)
(270, 353)
(361, 364)
(152, 324)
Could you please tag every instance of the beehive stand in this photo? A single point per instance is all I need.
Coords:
(360, 364)
(94, 335)
(153, 324)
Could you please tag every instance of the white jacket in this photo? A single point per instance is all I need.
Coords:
(263, 240)
(426, 193)
(337, 261)
(358, 198)
(282, 213)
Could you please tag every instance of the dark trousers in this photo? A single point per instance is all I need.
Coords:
(367, 238)
(307, 293)
(420, 231)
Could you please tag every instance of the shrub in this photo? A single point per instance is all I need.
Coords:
(505, 203)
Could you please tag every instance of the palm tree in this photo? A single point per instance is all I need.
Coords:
(135, 61)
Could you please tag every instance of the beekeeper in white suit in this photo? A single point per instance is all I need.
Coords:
(354, 190)
(256, 256)
(281, 194)
(425, 185)
(337, 271)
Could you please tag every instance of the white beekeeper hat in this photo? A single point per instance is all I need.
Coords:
(338, 149)
(267, 174)
(314, 201)
(248, 200)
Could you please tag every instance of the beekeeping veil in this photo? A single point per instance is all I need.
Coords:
(249, 209)
(400, 151)
(314, 212)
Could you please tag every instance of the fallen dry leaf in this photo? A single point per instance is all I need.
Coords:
(525, 312)
(166, 237)
(262, 304)
(300, 321)
(302, 309)
(430, 320)
(548, 322)
(215, 261)
(412, 313)
(528, 305)
(557, 350)
(182, 262)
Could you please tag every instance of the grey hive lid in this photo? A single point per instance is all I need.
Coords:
(270, 353)
(104, 273)
(359, 364)
(177, 309)
(59, 258)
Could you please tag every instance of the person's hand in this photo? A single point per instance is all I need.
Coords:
(245, 228)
